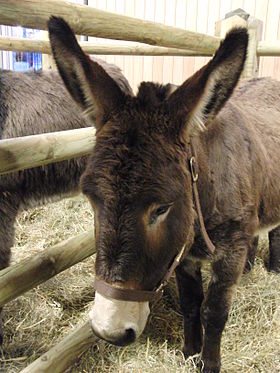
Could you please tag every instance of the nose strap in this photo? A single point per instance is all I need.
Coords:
(130, 295)
(134, 295)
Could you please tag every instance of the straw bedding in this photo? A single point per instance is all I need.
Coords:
(39, 319)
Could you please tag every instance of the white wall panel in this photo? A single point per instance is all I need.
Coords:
(195, 15)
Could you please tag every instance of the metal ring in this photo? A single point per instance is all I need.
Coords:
(193, 170)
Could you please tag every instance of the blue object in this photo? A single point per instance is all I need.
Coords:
(24, 61)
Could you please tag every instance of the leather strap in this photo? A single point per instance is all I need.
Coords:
(130, 295)
(194, 175)
(171, 270)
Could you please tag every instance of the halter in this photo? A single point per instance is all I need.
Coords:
(133, 295)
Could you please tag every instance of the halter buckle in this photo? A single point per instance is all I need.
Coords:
(193, 168)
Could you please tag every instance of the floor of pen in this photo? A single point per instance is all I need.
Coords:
(40, 318)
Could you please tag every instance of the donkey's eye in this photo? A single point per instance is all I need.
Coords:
(161, 210)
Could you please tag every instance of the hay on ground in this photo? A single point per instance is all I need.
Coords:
(39, 319)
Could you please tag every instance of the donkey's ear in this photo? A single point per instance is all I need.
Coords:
(86, 80)
(198, 100)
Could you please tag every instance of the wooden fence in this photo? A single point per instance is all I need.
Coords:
(32, 151)
(264, 48)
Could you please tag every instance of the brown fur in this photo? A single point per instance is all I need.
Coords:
(140, 159)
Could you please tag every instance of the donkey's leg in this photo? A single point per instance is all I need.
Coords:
(227, 269)
(8, 213)
(274, 249)
(252, 249)
(189, 282)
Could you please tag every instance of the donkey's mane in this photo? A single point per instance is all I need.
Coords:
(151, 95)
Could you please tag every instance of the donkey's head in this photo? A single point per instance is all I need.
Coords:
(137, 178)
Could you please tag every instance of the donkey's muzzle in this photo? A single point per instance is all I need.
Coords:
(118, 322)
(124, 339)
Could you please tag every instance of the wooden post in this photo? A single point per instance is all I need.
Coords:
(65, 353)
(265, 48)
(239, 18)
(86, 20)
(43, 46)
(224, 25)
(31, 151)
(251, 68)
(19, 278)
(269, 48)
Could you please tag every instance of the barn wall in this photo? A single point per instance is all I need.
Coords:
(195, 15)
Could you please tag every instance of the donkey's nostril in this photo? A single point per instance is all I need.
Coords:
(130, 335)
(126, 338)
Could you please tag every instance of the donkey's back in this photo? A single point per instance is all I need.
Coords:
(246, 157)
(263, 102)
(33, 103)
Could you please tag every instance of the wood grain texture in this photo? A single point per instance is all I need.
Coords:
(21, 277)
(32, 151)
(65, 353)
(86, 20)
(43, 46)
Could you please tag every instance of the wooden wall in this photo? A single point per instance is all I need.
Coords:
(196, 15)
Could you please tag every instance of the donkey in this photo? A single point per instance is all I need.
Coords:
(140, 181)
(32, 103)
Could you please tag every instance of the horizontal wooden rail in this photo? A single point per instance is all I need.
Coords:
(43, 46)
(19, 278)
(24, 45)
(86, 20)
(265, 48)
(268, 48)
(31, 151)
(65, 353)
